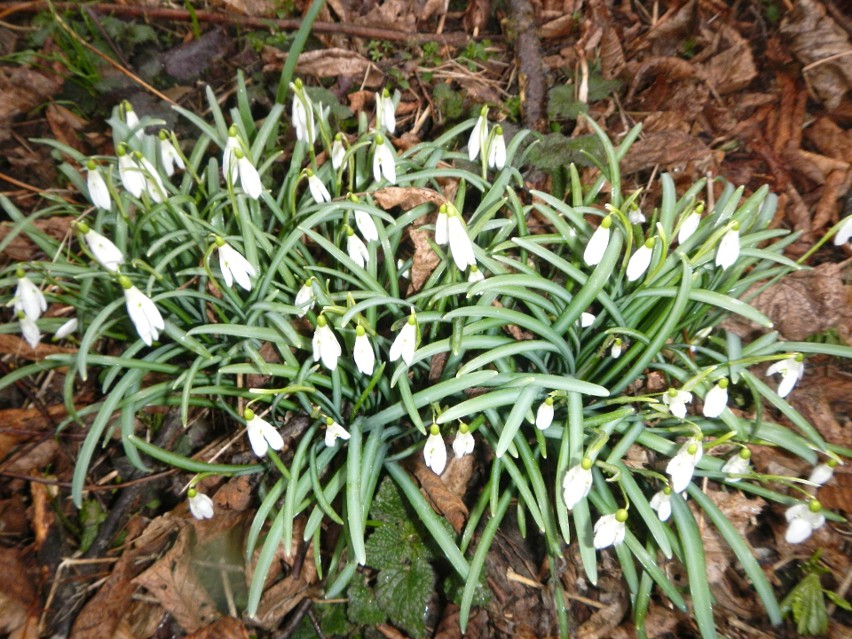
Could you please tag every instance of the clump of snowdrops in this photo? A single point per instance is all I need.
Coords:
(411, 302)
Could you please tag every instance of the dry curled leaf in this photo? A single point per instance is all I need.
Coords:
(445, 501)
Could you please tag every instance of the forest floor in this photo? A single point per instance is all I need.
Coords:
(756, 91)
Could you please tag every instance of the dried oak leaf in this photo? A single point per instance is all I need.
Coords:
(331, 63)
(445, 501)
(670, 149)
(816, 39)
(733, 68)
(102, 614)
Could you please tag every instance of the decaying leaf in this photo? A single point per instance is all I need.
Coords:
(18, 602)
(20, 248)
(224, 628)
(22, 89)
(330, 63)
(101, 615)
(670, 149)
(445, 501)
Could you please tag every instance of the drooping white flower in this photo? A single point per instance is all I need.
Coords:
(249, 177)
(737, 464)
(802, 520)
(463, 443)
(28, 297)
(66, 329)
(385, 111)
(169, 156)
(677, 400)
(406, 341)
(479, 135)
(303, 114)
(234, 266)
(29, 330)
(640, 260)
(130, 173)
(729, 247)
(143, 312)
(716, 399)
(262, 435)
(544, 414)
(435, 451)
(475, 274)
(586, 320)
(317, 189)
(442, 225)
(681, 467)
(791, 370)
(610, 530)
(97, 187)
(844, 233)
(338, 152)
(333, 432)
(325, 344)
(200, 505)
(362, 353)
(617, 348)
(356, 248)
(364, 222)
(689, 225)
(305, 299)
(102, 249)
(822, 473)
(598, 242)
(661, 502)
(153, 183)
(461, 247)
(132, 120)
(635, 216)
(577, 483)
(229, 158)
(384, 164)
(406, 273)
(497, 149)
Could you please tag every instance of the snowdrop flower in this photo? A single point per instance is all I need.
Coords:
(29, 330)
(822, 473)
(305, 299)
(234, 266)
(791, 370)
(610, 529)
(617, 348)
(635, 215)
(497, 149)
(479, 135)
(200, 505)
(303, 114)
(229, 160)
(66, 329)
(677, 400)
(844, 233)
(661, 502)
(463, 443)
(356, 248)
(102, 249)
(475, 274)
(441, 226)
(333, 432)
(544, 414)
(689, 224)
(802, 520)
(586, 320)
(435, 452)
(97, 187)
(384, 164)
(461, 247)
(406, 341)
(249, 177)
(131, 120)
(681, 467)
(130, 172)
(325, 344)
(577, 483)
(262, 435)
(737, 465)
(406, 273)
(640, 260)
(729, 247)
(338, 152)
(598, 242)
(716, 399)
(143, 312)
(317, 188)
(364, 222)
(169, 155)
(365, 358)
(28, 297)
(385, 111)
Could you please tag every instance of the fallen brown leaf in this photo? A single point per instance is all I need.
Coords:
(65, 124)
(224, 628)
(18, 603)
(445, 501)
(23, 89)
(21, 248)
